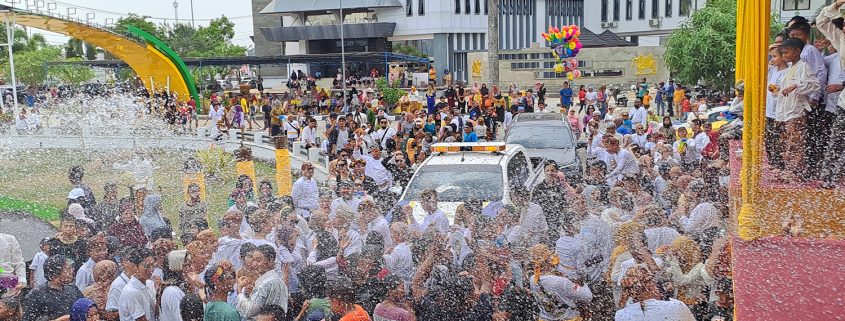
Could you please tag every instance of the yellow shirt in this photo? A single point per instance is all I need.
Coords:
(244, 105)
(647, 100)
(679, 96)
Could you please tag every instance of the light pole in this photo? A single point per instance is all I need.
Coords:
(342, 55)
(175, 11)
(192, 14)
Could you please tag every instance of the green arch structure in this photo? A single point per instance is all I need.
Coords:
(172, 56)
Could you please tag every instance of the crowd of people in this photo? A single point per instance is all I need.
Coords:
(643, 236)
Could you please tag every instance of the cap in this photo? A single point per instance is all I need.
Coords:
(75, 193)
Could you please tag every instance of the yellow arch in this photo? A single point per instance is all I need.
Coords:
(145, 60)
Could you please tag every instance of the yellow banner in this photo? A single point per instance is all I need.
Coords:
(191, 178)
(283, 173)
(248, 169)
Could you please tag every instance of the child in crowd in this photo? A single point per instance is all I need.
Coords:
(793, 101)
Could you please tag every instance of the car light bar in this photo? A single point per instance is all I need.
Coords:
(474, 147)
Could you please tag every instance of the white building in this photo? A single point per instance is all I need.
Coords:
(787, 9)
(644, 22)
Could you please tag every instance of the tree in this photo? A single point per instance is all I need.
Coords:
(30, 65)
(73, 49)
(703, 48)
(140, 22)
(72, 74)
(493, 42)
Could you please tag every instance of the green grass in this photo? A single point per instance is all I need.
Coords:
(37, 179)
(44, 212)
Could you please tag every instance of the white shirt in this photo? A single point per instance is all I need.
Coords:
(702, 217)
(356, 242)
(570, 251)
(639, 140)
(689, 153)
(626, 165)
(382, 135)
(352, 203)
(835, 75)
(38, 266)
(639, 116)
(309, 135)
(305, 195)
(380, 225)
(700, 141)
(376, 170)
(534, 225)
(85, 275)
(559, 297)
(438, 219)
(813, 57)
(597, 237)
(11, 258)
(269, 289)
(774, 77)
(215, 115)
(825, 24)
(170, 299)
(400, 261)
(291, 129)
(508, 119)
(137, 300)
(796, 103)
(653, 310)
(114, 291)
(228, 248)
(591, 97)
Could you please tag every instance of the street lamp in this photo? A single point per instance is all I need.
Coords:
(175, 11)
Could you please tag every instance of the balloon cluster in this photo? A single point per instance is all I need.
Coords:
(565, 46)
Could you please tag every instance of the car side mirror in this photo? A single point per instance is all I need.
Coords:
(581, 145)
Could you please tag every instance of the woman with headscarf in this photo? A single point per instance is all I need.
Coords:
(105, 272)
(151, 218)
(559, 297)
(127, 229)
(84, 310)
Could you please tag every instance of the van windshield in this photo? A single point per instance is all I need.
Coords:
(458, 183)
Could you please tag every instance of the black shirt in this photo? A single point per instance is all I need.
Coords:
(44, 302)
(429, 309)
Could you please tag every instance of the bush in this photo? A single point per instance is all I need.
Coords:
(391, 93)
(215, 160)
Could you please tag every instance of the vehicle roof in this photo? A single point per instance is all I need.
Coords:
(531, 117)
(468, 157)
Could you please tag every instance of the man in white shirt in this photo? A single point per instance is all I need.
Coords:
(370, 221)
(37, 265)
(97, 252)
(384, 133)
(292, 128)
(11, 259)
(138, 298)
(375, 169)
(703, 216)
(625, 163)
(345, 199)
(215, 114)
(812, 56)
(648, 305)
(700, 140)
(434, 217)
(639, 136)
(309, 133)
(229, 244)
(399, 259)
(305, 193)
(268, 289)
(639, 115)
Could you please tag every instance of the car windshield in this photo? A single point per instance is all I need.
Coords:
(458, 183)
(541, 137)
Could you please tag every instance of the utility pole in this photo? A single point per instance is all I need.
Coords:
(493, 42)
(342, 55)
(192, 14)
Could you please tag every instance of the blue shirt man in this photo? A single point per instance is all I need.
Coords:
(469, 135)
(566, 95)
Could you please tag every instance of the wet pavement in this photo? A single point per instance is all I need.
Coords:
(28, 229)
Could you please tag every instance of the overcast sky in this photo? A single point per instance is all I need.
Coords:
(239, 11)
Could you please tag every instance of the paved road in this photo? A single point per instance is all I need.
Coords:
(29, 231)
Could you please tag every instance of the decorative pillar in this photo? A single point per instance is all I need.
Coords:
(751, 66)
(192, 174)
(283, 173)
(244, 164)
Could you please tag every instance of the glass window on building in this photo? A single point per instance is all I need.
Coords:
(477, 6)
(641, 14)
(467, 7)
(793, 5)
(457, 6)
(684, 8)
(421, 10)
(409, 7)
(603, 10)
(486, 4)
(616, 8)
(655, 9)
(669, 8)
(629, 9)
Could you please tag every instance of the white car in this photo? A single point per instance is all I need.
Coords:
(714, 116)
(470, 171)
